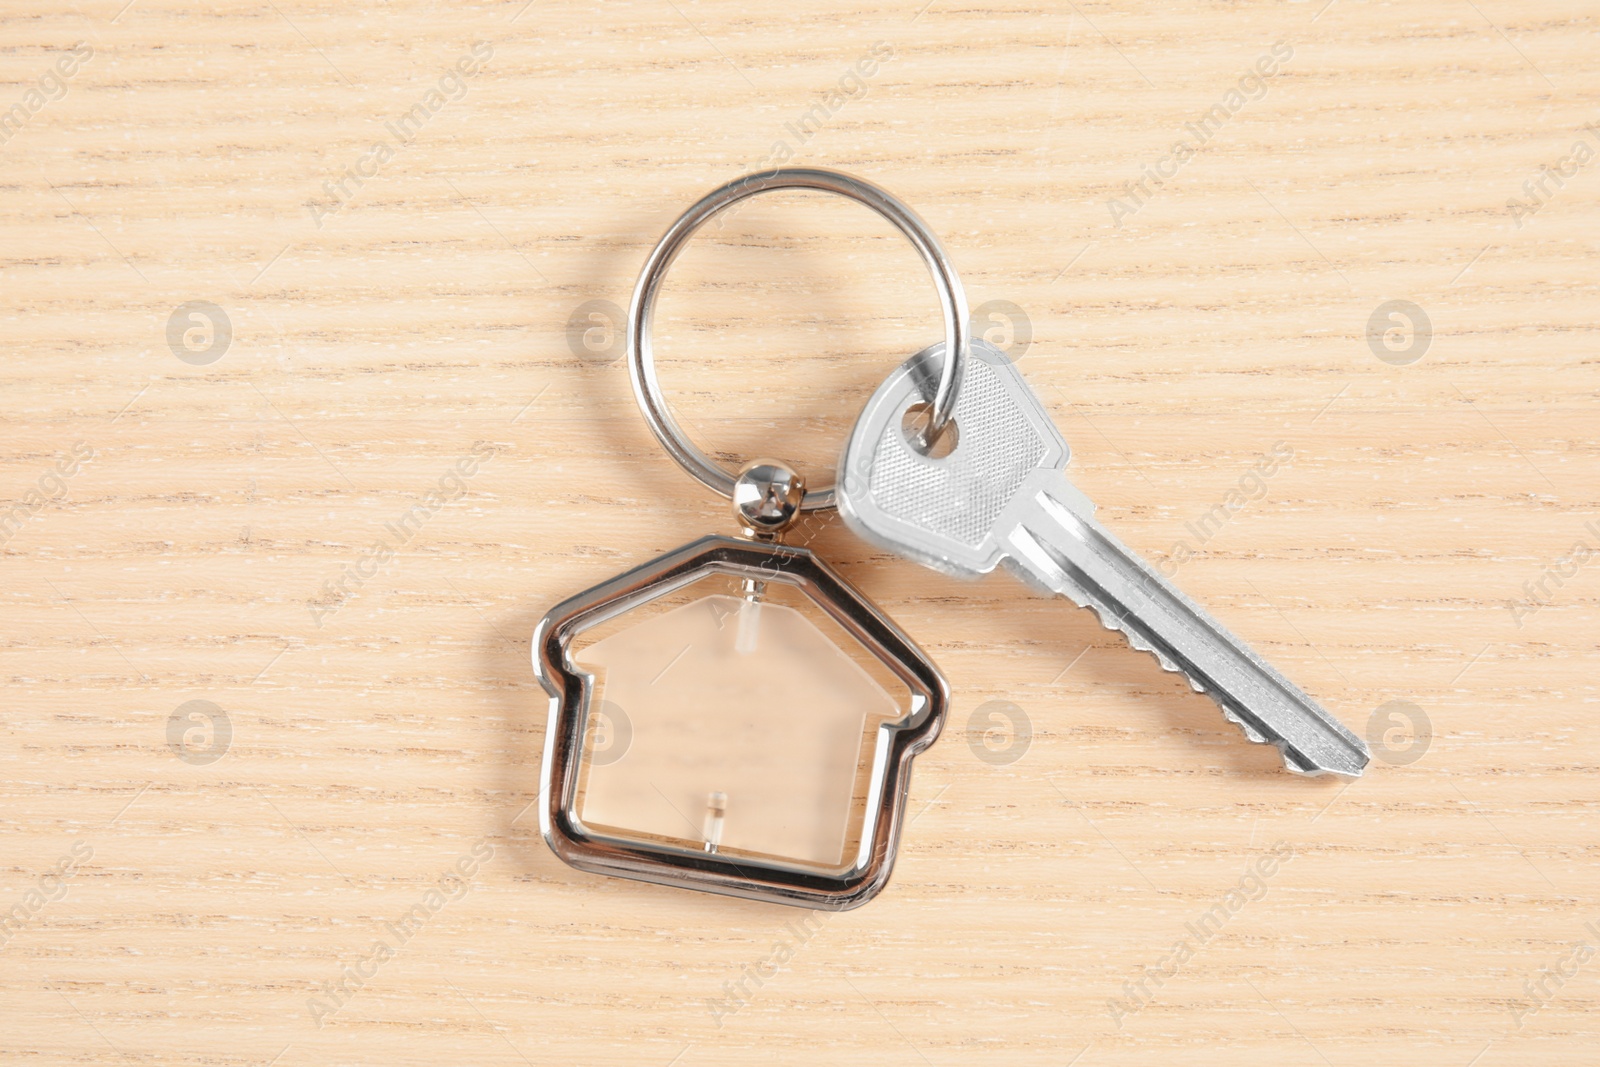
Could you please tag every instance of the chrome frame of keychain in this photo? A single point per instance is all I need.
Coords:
(767, 497)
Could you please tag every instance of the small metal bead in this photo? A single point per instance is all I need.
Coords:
(766, 497)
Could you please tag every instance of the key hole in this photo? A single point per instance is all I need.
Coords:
(915, 420)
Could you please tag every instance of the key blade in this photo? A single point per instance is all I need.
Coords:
(1065, 550)
(948, 513)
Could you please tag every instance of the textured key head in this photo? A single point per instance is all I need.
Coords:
(949, 513)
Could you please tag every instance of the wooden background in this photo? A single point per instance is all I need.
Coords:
(376, 341)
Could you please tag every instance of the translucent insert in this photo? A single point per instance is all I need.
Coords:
(734, 725)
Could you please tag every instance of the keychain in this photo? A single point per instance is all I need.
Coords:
(778, 754)
(734, 716)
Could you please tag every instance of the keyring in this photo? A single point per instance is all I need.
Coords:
(641, 360)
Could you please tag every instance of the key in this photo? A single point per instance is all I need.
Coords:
(1002, 495)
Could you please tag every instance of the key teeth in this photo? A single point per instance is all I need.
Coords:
(1252, 734)
(1249, 731)
(1294, 761)
(1309, 770)
(1112, 622)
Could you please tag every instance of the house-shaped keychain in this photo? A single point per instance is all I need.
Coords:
(754, 740)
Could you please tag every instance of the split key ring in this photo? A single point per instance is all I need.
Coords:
(641, 359)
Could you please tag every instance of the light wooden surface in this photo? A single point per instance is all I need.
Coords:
(375, 345)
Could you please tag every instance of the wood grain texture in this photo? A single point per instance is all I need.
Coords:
(1419, 546)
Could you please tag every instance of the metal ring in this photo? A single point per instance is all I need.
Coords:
(641, 360)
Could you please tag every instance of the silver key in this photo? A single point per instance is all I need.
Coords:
(1002, 495)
